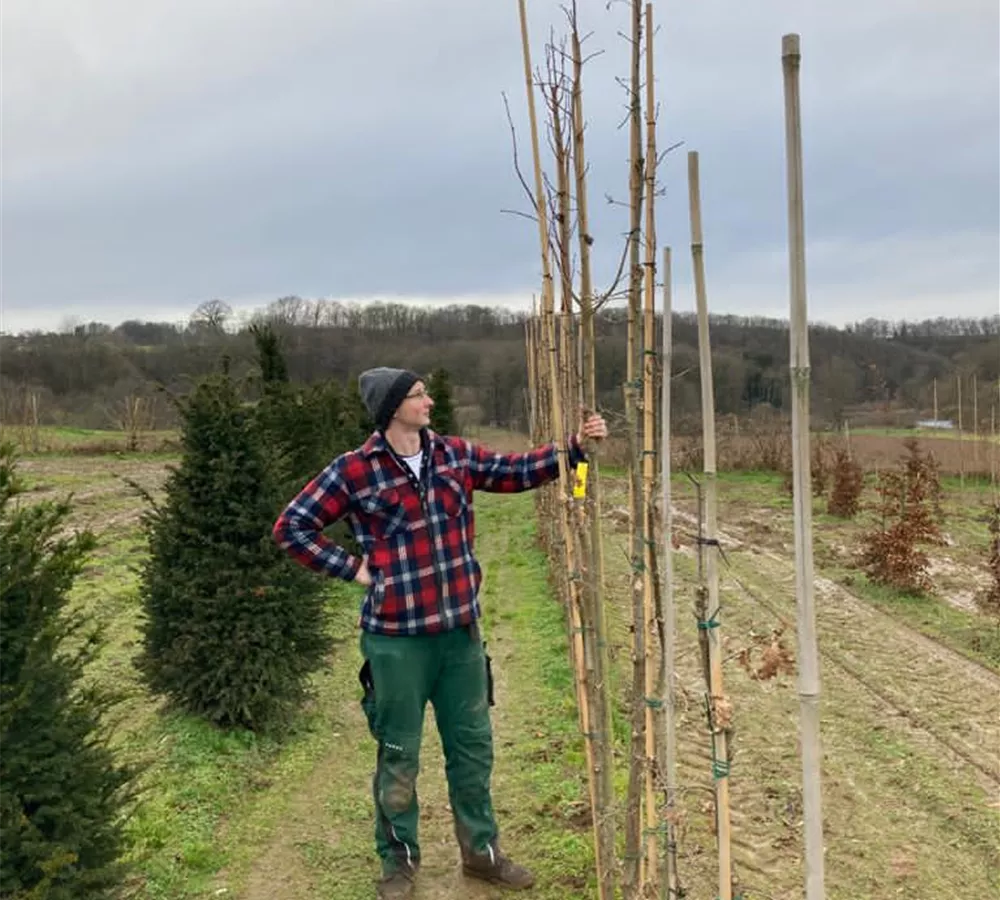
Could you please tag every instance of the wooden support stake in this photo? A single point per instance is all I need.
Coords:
(569, 539)
(595, 634)
(809, 686)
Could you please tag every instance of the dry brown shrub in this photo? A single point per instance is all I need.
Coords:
(909, 504)
(775, 657)
(770, 444)
(820, 468)
(848, 483)
(722, 712)
(988, 600)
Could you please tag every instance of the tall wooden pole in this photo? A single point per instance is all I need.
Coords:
(809, 686)
(595, 635)
(718, 720)
(935, 401)
(540, 204)
(669, 876)
(559, 433)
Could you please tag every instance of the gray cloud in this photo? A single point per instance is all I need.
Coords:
(158, 154)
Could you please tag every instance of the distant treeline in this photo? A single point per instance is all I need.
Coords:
(84, 376)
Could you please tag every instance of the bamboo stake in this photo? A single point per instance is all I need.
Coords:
(669, 876)
(649, 464)
(718, 714)
(541, 209)
(548, 304)
(596, 632)
(809, 685)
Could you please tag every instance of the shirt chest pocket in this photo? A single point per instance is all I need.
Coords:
(451, 494)
(386, 514)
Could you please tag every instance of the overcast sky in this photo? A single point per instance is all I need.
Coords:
(161, 153)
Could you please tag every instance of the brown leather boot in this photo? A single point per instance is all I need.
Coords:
(494, 867)
(397, 886)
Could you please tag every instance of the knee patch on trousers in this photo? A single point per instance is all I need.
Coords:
(397, 778)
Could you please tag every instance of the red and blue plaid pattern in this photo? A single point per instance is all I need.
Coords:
(425, 577)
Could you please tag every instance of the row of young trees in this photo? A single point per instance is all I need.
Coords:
(231, 627)
(62, 792)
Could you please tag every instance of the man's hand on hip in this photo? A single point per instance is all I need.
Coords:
(363, 576)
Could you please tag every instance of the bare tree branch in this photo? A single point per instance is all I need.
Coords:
(517, 165)
(523, 215)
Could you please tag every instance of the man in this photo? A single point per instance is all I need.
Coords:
(407, 493)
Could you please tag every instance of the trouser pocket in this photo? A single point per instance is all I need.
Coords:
(368, 697)
(489, 677)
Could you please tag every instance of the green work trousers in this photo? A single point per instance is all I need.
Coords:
(449, 670)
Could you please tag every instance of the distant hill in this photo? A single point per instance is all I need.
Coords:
(876, 370)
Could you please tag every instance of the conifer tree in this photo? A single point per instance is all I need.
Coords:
(273, 369)
(62, 794)
(443, 412)
(232, 626)
(300, 422)
(355, 423)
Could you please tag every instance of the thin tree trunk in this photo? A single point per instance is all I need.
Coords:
(719, 709)
(993, 450)
(651, 868)
(961, 442)
(809, 686)
(975, 426)
(669, 878)
(633, 867)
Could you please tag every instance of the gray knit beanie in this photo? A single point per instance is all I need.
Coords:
(383, 389)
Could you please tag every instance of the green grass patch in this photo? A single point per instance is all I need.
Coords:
(213, 796)
(60, 439)
(220, 810)
(545, 801)
(199, 774)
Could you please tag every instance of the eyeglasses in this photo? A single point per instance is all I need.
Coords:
(417, 395)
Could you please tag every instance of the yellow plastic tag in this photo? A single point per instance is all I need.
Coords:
(580, 485)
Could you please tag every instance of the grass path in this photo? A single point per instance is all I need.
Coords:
(236, 816)
(309, 835)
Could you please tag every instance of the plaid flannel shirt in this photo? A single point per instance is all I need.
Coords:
(417, 535)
